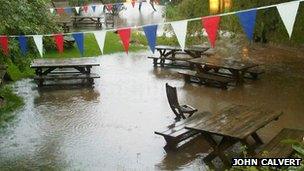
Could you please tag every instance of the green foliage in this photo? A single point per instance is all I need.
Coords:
(12, 102)
(269, 27)
(24, 17)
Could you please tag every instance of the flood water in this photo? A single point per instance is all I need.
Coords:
(111, 126)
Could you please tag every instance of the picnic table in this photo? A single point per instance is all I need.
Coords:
(234, 124)
(65, 25)
(64, 69)
(170, 52)
(236, 69)
(87, 20)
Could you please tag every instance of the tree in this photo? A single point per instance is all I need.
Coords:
(269, 27)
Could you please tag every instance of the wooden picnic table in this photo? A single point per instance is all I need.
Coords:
(90, 20)
(195, 51)
(234, 124)
(237, 69)
(51, 69)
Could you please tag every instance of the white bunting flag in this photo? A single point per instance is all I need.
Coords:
(288, 12)
(77, 9)
(180, 29)
(100, 37)
(52, 10)
(39, 44)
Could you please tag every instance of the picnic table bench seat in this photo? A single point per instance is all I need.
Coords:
(253, 73)
(161, 61)
(176, 133)
(276, 149)
(207, 79)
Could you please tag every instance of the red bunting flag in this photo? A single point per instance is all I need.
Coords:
(85, 8)
(109, 7)
(133, 3)
(211, 25)
(125, 35)
(4, 44)
(59, 42)
(60, 11)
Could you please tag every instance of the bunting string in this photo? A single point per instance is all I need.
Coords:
(169, 22)
(287, 11)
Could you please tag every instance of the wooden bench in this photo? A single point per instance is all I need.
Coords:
(207, 79)
(176, 133)
(161, 61)
(253, 73)
(276, 149)
(66, 76)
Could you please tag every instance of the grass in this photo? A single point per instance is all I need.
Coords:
(112, 45)
(12, 102)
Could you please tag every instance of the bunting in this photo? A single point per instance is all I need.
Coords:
(59, 42)
(93, 8)
(288, 12)
(133, 3)
(68, 11)
(77, 9)
(4, 44)
(79, 38)
(109, 7)
(39, 44)
(85, 8)
(125, 35)
(60, 11)
(180, 30)
(247, 20)
(150, 32)
(23, 44)
(100, 37)
(211, 25)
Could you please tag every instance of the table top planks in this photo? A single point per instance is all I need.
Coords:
(196, 48)
(224, 63)
(67, 62)
(236, 122)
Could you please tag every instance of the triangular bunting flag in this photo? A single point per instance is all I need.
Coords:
(77, 9)
(59, 42)
(39, 44)
(211, 25)
(150, 32)
(133, 3)
(52, 10)
(247, 20)
(93, 8)
(100, 37)
(68, 11)
(60, 11)
(23, 44)
(109, 7)
(180, 30)
(288, 12)
(85, 8)
(4, 44)
(125, 35)
(79, 37)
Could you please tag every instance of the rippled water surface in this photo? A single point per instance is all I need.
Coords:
(110, 126)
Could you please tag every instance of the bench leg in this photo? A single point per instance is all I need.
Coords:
(257, 138)
(155, 62)
(254, 76)
(171, 144)
(187, 78)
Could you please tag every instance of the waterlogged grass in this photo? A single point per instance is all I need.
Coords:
(112, 45)
(11, 103)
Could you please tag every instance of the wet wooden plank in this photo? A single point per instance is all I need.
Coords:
(237, 123)
(66, 76)
(276, 149)
(70, 62)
